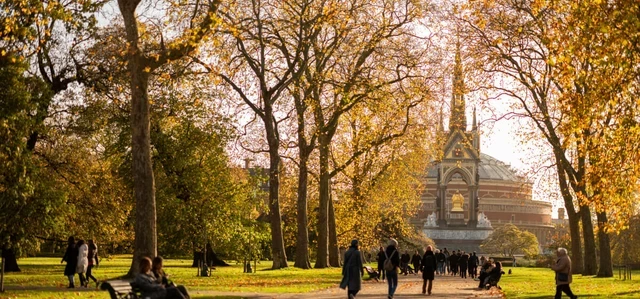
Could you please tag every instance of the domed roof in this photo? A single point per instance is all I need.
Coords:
(489, 168)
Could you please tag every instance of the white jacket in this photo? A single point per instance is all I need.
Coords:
(83, 261)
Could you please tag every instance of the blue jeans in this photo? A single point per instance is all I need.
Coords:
(441, 268)
(392, 280)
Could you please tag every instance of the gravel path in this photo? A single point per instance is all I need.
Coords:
(408, 287)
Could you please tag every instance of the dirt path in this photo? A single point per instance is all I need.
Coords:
(408, 287)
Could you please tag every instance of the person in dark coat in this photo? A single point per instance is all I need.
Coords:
(381, 259)
(149, 285)
(463, 262)
(447, 265)
(405, 258)
(440, 262)
(484, 273)
(494, 275)
(428, 268)
(392, 275)
(416, 261)
(453, 263)
(564, 277)
(473, 265)
(352, 270)
(163, 279)
(71, 257)
(93, 261)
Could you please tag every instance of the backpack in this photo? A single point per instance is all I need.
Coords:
(388, 265)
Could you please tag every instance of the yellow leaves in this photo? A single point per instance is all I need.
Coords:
(147, 69)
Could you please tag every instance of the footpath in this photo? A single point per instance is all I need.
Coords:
(408, 287)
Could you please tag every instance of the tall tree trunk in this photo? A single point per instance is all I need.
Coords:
(277, 240)
(606, 266)
(302, 238)
(574, 219)
(145, 244)
(322, 260)
(334, 250)
(577, 259)
(589, 241)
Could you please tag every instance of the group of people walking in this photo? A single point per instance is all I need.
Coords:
(458, 263)
(391, 262)
(81, 257)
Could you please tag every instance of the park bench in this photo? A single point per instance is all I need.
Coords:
(120, 289)
(504, 260)
(373, 274)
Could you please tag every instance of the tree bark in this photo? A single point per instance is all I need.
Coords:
(277, 240)
(145, 244)
(606, 265)
(589, 241)
(322, 259)
(334, 250)
(302, 238)
(574, 218)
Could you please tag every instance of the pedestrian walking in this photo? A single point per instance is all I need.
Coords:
(564, 277)
(446, 260)
(428, 269)
(440, 261)
(464, 263)
(405, 258)
(416, 260)
(453, 263)
(352, 270)
(93, 261)
(381, 258)
(83, 262)
(71, 257)
(391, 265)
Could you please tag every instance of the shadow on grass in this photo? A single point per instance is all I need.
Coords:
(221, 297)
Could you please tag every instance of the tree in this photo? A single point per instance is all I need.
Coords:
(141, 62)
(509, 42)
(268, 39)
(509, 240)
(362, 48)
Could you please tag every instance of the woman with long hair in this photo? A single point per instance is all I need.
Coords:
(163, 278)
(70, 256)
(83, 262)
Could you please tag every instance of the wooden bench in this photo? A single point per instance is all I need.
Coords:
(373, 274)
(504, 260)
(120, 289)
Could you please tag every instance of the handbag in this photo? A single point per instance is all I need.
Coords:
(563, 277)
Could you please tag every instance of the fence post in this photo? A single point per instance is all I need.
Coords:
(2, 276)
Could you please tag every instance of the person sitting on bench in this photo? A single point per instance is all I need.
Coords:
(149, 286)
(163, 278)
(494, 276)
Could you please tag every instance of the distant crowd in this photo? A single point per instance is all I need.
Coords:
(438, 262)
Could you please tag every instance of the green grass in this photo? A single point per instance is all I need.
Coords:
(538, 283)
(47, 274)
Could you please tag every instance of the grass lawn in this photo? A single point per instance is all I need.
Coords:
(539, 283)
(47, 274)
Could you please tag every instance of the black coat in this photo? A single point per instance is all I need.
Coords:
(453, 260)
(416, 259)
(463, 261)
(352, 270)
(428, 265)
(440, 257)
(71, 257)
(381, 259)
